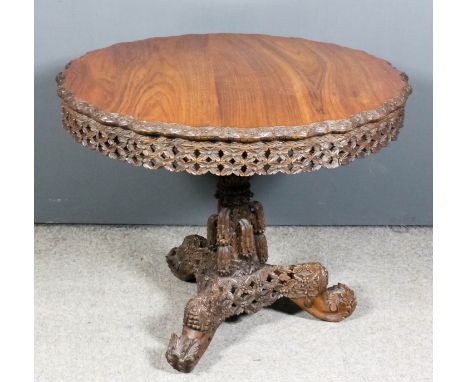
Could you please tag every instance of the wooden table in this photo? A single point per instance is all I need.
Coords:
(235, 105)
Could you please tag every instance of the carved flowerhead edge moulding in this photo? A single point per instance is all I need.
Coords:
(230, 264)
(232, 134)
(244, 150)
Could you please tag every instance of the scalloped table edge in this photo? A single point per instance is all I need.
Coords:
(232, 134)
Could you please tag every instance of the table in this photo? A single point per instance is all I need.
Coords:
(235, 105)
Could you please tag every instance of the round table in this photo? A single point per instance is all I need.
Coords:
(235, 105)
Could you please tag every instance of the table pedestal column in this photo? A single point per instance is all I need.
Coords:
(232, 275)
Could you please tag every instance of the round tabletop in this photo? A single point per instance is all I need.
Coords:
(207, 103)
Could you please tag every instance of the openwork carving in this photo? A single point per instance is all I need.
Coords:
(236, 158)
(233, 277)
(230, 265)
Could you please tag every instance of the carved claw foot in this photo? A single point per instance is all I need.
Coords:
(233, 277)
(306, 285)
(334, 304)
(183, 260)
(184, 351)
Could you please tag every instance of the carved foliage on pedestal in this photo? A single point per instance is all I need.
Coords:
(223, 297)
(233, 277)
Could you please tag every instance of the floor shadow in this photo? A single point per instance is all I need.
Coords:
(285, 305)
(168, 317)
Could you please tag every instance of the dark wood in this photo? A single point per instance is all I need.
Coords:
(225, 85)
(237, 158)
(233, 277)
(234, 106)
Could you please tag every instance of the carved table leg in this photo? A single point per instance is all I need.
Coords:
(334, 304)
(185, 350)
(233, 277)
(329, 304)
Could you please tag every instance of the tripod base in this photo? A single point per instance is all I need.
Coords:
(233, 277)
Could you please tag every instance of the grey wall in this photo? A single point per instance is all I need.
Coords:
(76, 185)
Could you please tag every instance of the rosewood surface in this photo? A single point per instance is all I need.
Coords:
(235, 105)
(233, 87)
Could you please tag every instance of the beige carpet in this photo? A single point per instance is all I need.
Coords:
(106, 304)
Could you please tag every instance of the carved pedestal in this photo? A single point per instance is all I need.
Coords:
(233, 277)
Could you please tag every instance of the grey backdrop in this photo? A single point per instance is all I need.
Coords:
(76, 185)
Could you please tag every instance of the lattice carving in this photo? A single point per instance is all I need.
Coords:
(230, 265)
(233, 158)
(233, 277)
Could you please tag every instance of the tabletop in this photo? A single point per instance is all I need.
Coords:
(234, 90)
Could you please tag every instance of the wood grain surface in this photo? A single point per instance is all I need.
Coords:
(232, 80)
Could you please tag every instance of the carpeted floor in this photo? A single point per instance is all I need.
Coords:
(106, 305)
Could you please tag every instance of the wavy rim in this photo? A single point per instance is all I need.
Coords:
(233, 134)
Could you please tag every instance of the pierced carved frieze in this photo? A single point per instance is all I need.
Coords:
(233, 158)
(216, 112)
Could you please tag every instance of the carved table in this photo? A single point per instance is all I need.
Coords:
(235, 105)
